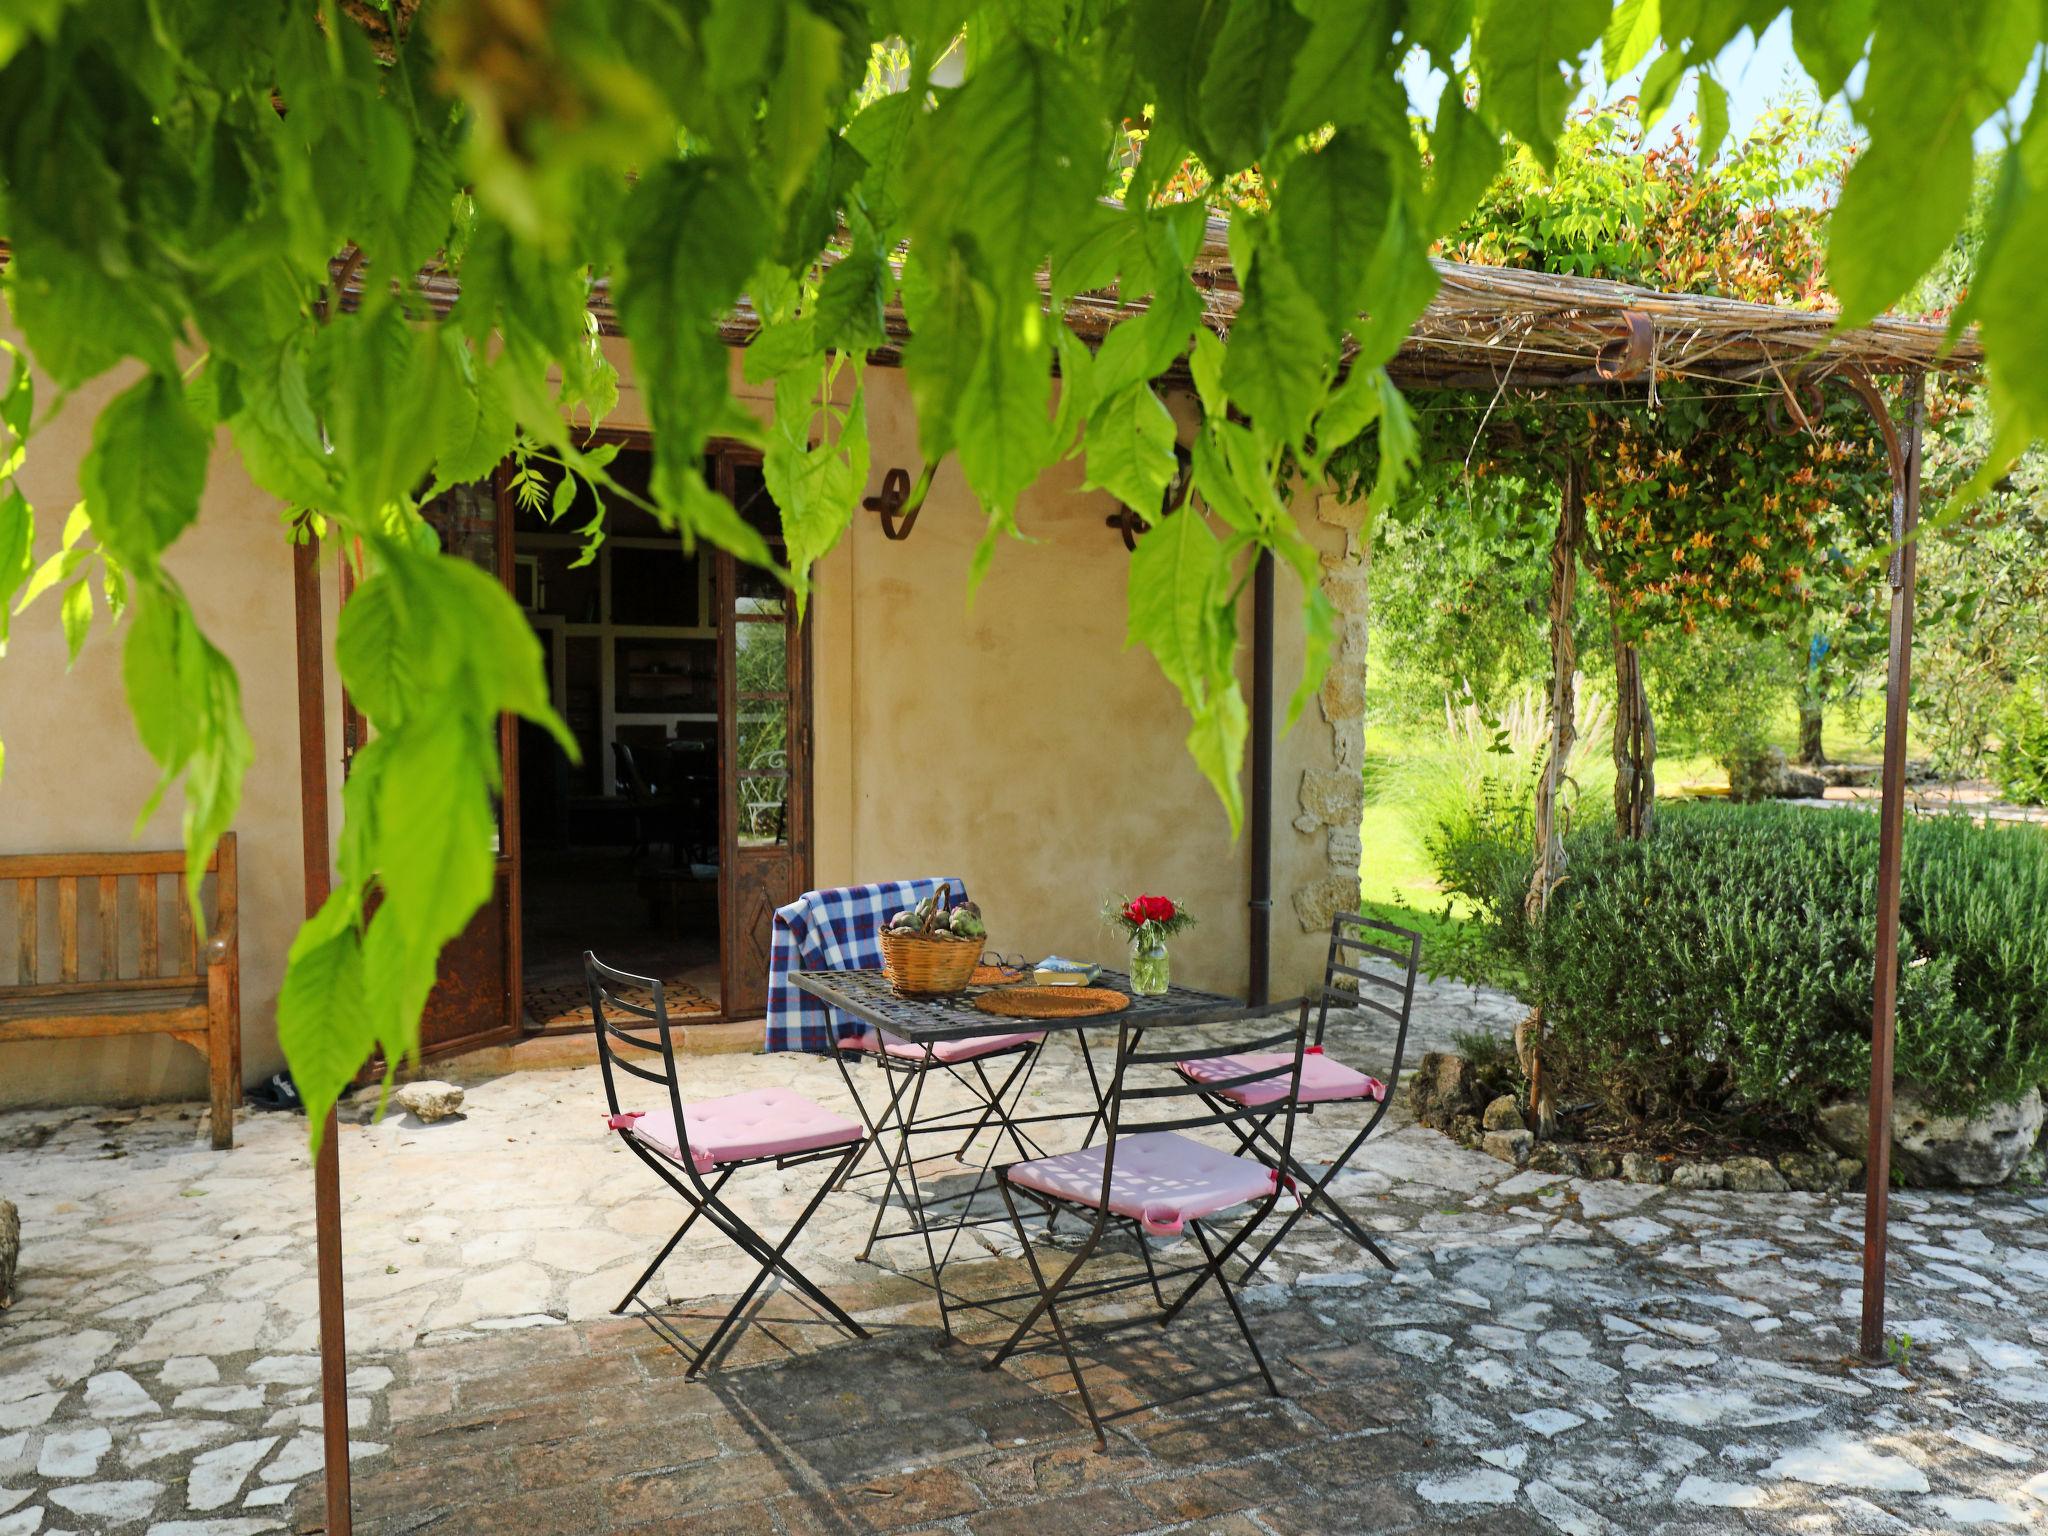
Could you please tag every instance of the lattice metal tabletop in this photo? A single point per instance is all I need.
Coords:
(867, 996)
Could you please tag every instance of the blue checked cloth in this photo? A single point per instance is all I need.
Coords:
(832, 931)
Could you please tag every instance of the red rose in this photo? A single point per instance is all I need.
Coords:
(1156, 909)
(1132, 914)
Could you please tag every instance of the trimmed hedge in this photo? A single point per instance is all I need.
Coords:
(1726, 963)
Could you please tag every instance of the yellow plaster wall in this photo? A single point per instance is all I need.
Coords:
(1016, 742)
(76, 776)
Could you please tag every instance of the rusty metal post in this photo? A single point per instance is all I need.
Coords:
(1259, 986)
(1891, 840)
(327, 1165)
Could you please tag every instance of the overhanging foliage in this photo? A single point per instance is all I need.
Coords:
(178, 178)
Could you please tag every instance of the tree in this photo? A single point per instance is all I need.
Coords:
(190, 185)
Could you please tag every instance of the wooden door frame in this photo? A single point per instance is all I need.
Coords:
(799, 824)
(725, 452)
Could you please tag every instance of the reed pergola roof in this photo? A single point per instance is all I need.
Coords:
(1494, 327)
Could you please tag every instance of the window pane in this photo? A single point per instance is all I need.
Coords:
(760, 658)
(763, 810)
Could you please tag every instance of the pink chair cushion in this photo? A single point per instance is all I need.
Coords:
(766, 1122)
(1162, 1179)
(948, 1051)
(1324, 1080)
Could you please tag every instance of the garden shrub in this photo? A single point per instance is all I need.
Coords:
(2022, 762)
(1725, 964)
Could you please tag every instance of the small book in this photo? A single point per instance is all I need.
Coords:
(1055, 972)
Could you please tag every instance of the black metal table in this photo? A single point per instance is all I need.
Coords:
(867, 996)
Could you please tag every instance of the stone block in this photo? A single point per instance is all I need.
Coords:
(1335, 799)
(1503, 1114)
(1699, 1176)
(1509, 1146)
(1641, 1168)
(429, 1100)
(1316, 904)
(1343, 695)
(1336, 512)
(1813, 1171)
(1557, 1157)
(1754, 1176)
(1601, 1163)
(1942, 1150)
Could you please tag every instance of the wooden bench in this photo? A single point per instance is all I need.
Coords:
(151, 976)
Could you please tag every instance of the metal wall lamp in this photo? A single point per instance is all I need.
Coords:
(898, 498)
(1126, 519)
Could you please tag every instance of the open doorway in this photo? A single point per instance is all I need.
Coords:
(681, 677)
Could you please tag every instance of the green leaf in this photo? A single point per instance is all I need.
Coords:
(435, 825)
(852, 299)
(1279, 351)
(370, 360)
(1331, 209)
(323, 1021)
(1829, 37)
(1129, 439)
(1465, 156)
(1246, 84)
(1206, 366)
(77, 612)
(881, 134)
(1002, 427)
(939, 300)
(1179, 609)
(800, 101)
(471, 425)
(1526, 57)
(1399, 442)
(143, 477)
(1343, 62)
(1631, 32)
(17, 546)
(1011, 159)
(1713, 118)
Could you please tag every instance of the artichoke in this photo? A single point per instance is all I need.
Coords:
(967, 924)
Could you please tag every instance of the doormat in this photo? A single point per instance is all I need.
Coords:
(569, 1003)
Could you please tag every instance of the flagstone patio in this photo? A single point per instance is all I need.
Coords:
(1552, 1355)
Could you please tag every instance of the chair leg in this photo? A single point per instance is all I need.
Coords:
(1236, 1311)
(669, 1247)
(1215, 1265)
(902, 1157)
(777, 1262)
(1047, 1303)
(1317, 1197)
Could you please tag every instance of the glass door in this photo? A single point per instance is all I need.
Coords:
(764, 739)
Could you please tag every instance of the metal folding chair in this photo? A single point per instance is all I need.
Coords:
(696, 1148)
(1153, 1178)
(1325, 1080)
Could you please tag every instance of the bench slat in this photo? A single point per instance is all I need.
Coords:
(145, 919)
(67, 928)
(10, 997)
(25, 923)
(110, 927)
(185, 964)
(84, 1014)
(45, 866)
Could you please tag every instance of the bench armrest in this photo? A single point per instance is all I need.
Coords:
(220, 944)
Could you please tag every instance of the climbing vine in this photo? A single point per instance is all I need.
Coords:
(361, 243)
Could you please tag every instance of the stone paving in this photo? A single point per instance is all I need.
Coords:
(1551, 1355)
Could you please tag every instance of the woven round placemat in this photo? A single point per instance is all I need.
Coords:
(994, 976)
(1052, 1002)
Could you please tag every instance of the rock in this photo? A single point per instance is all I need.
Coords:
(1503, 1114)
(1556, 1157)
(1641, 1168)
(429, 1101)
(1464, 1130)
(1754, 1176)
(10, 1251)
(1699, 1176)
(1509, 1146)
(1942, 1150)
(1601, 1164)
(1442, 1089)
(1813, 1171)
(1767, 776)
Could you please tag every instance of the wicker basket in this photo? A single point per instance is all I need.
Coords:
(928, 967)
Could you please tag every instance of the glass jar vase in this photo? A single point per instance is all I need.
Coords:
(1151, 968)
